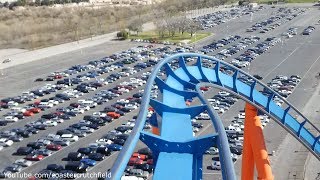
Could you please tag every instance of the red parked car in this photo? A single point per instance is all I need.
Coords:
(140, 156)
(129, 87)
(54, 147)
(35, 110)
(135, 161)
(113, 115)
(35, 157)
(150, 161)
(36, 103)
(58, 113)
(28, 113)
(204, 88)
(58, 76)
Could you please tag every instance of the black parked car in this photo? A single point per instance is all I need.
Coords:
(24, 150)
(55, 167)
(77, 167)
(104, 150)
(145, 167)
(85, 151)
(96, 156)
(75, 156)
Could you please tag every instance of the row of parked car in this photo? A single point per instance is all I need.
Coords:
(251, 54)
(284, 15)
(112, 141)
(216, 18)
(81, 107)
(140, 165)
(245, 42)
(82, 87)
(219, 44)
(235, 129)
(66, 113)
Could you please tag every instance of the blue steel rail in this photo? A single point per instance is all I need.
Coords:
(177, 153)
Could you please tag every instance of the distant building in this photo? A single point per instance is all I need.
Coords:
(253, 5)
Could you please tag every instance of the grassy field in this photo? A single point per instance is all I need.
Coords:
(178, 37)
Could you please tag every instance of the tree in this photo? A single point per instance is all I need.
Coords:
(21, 2)
(38, 2)
(172, 25)
(123, 34)
(193, 28)
(161, 27)
(136, 25)
(183, 24)
(6, 4)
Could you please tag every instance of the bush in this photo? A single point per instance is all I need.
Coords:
(123, 35)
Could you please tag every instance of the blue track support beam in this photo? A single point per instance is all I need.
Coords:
(197, 167)
(301, 126)
(235, 77)
(162, 85)
(268, 104)
(153, 120)
(194, 146)
(285, 115)
(217, 70)
(199, 64)
(192, 111)
(184, 164)
(186, 84)
(226, 162)
(182, 64)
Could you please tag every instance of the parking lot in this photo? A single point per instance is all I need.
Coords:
(285, 55)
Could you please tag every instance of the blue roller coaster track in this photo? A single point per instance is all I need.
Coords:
(177, 153)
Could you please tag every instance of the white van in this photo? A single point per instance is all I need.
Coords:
(203, 116)
(89, 103)
(69, 137)
(131, 178)
(18, 109)
(27, 93)
(232, 129)
(45, 105)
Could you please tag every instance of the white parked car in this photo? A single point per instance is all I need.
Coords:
(203, 116)
(216, 165)
(45, 105)
(18, 109)
(77, 111)
(103, 141)
(86, 129)
(5, 142)
(12, 103)
(231, 129)
(52, 137)
(223, 93)
(23, 162)
(241, 115)
(50, 123)
(131, 106)
(11, 119)
(99, 114)
(123, 100)
(53, 102)
(69, 137)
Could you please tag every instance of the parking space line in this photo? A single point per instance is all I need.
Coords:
(283, 60)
